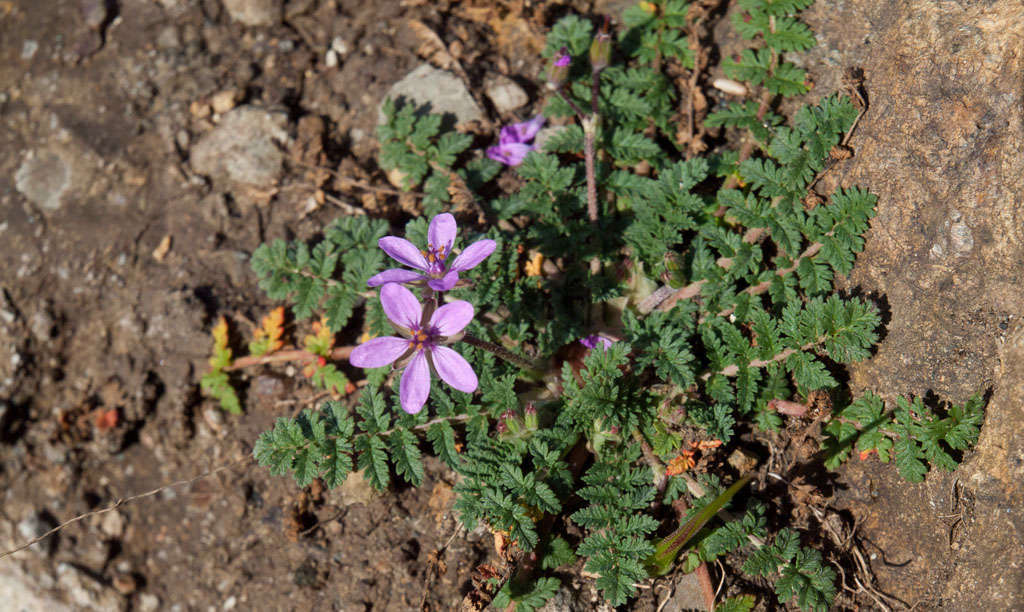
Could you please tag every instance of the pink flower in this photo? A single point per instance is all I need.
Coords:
(512, 143)
(421, 347)
(432, 263)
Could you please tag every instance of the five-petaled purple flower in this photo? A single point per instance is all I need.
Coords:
(432, 263)
(512, 144)
(421, 346)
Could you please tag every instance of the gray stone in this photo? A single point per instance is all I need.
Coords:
(85, 592)
(254, 12)
(442, 91)
(43, 178)
(112, 524)
(41, 323)
(28, 49)
(148, 602)
(21, 591)
(506, 94)
(243, 148)
(686, 594)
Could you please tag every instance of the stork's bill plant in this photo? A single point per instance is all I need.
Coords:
(626, 310)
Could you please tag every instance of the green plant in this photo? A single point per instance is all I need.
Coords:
(701, 288)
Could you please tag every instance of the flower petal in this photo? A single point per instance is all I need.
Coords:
(508, 135)
(415, 385)
(403, 251)
(454, 369)
(444, 283)
(378, 352)
(442, 232)
(449, 319)
(593, 340)
(528, 129)
(400, 305)
(511, 154)
(394, 275)
(472, 255)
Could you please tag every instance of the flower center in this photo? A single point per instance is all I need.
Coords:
(435, 260)
(423, 338)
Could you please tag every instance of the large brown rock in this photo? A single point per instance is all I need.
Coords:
(941, 145)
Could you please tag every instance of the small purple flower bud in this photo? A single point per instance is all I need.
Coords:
(600, 51)
(530, 417)
(559, 70)
(512, 422)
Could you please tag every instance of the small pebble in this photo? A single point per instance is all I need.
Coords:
(506, 94)
(223, 101)
(125, 584)
(28, 49)
(112, 524)
(148, 602)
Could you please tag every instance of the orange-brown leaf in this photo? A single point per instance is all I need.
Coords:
(106, 419)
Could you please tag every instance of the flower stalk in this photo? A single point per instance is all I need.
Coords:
(503, 353)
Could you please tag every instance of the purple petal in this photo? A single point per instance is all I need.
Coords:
(378, 352)
(444, 283)
(563, 58)
(394, 275)
(449, 319)
(454, 369)
(403, 251)
(441, 232)
(401, 305)
(510, 154)
(508, 135)
(593, 340)
(415, 385)
(472, 255)
(528, 129)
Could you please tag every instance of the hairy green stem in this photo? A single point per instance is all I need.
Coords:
(502, 352)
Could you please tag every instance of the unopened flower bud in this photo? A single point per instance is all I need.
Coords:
(512, 422)
(530, 417)
(600, 51)
(559, 70)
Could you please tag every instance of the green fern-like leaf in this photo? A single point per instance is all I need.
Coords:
(373, 461)
(404, 450)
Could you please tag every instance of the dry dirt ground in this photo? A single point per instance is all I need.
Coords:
(118, 256)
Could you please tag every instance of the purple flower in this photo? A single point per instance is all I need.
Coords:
(433, 262)
(563, 58)
(421, 346)
(512, 142)
(593, 340)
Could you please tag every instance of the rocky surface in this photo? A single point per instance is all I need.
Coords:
(439, 91)
(940, 145)
(254, 12)
(245, 148)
